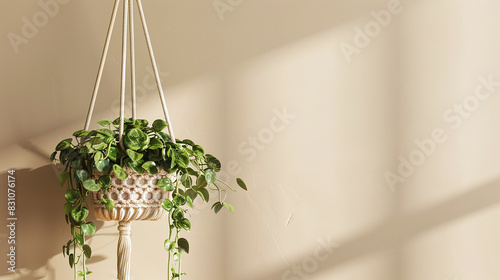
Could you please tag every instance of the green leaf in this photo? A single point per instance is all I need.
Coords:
(72, 196)
(81, 133)
(91, 185)
(159, 125)
(183, 245)
(67, 208)
(203, 192)
(228, 206)
(104, 182)
(192, 172)
(201, 182)
(99, 145)
(141, 122)
(213, 163)
(88, 228)
(103, 166)
(64, 144)
(113, 153)
(179, 200)
(191, 194)
(82, 175)
(198, 150)
(164, 136)
(79, 273)
(63, 177)
(79, 214)
(178, 214)
(109, 204)
(189, 201)
(210, 176)
(150, 167)
(177, 257)
(98, 156)
(134, 156)
(167, 205)
(106, 132)
(185, 224)
(182, 158)
(165, 184)
(104, 122)
(136, 166)
(119, 172)
(155, 143)
(76, 163)
(87, 251)
(217, 207)
(136, 139)
(186, 180)
(241, 183)
(53, 156)
(168, 245)
(189, 142)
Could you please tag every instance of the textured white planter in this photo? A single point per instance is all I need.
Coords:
(136, 199)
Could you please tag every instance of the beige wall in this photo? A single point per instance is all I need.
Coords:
(271, 87)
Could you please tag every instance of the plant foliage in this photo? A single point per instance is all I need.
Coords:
(145, 149)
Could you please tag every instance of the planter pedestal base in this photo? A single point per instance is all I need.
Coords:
(124, 251)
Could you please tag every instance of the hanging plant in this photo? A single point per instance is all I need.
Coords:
(95, 160)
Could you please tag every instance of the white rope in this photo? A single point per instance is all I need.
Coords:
(101, 65)
(132, 59)
(155, 70)
(128, 29)
(124, 70)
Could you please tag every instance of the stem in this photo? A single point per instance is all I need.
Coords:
(169, 275)
(180, 272)
(179, 267)
(84, 268)
(226, 184)
(74, 257)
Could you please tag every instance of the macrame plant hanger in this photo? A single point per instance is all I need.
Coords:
(124, 244)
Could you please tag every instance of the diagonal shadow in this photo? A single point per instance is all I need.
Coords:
(40, 227)
(399, 231)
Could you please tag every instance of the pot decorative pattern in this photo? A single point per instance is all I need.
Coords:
(136, 198)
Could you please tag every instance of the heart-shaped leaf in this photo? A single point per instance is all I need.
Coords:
(241, 183)
(104, 122)
(81, 175)
(88, 228)
(168, 245)
(72, 196)
(134, 156)
(91, 185)
(87, 251)
(159, 125)
(183, 245)
(79, 214)
(155, 143)
(150, 167)
(104, 166)
(210, 176)
(165, 184)
(119, 172)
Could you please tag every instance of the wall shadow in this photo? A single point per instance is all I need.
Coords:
(41, 230)
(398, 231)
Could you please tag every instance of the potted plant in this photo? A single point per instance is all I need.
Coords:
(142, 176)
